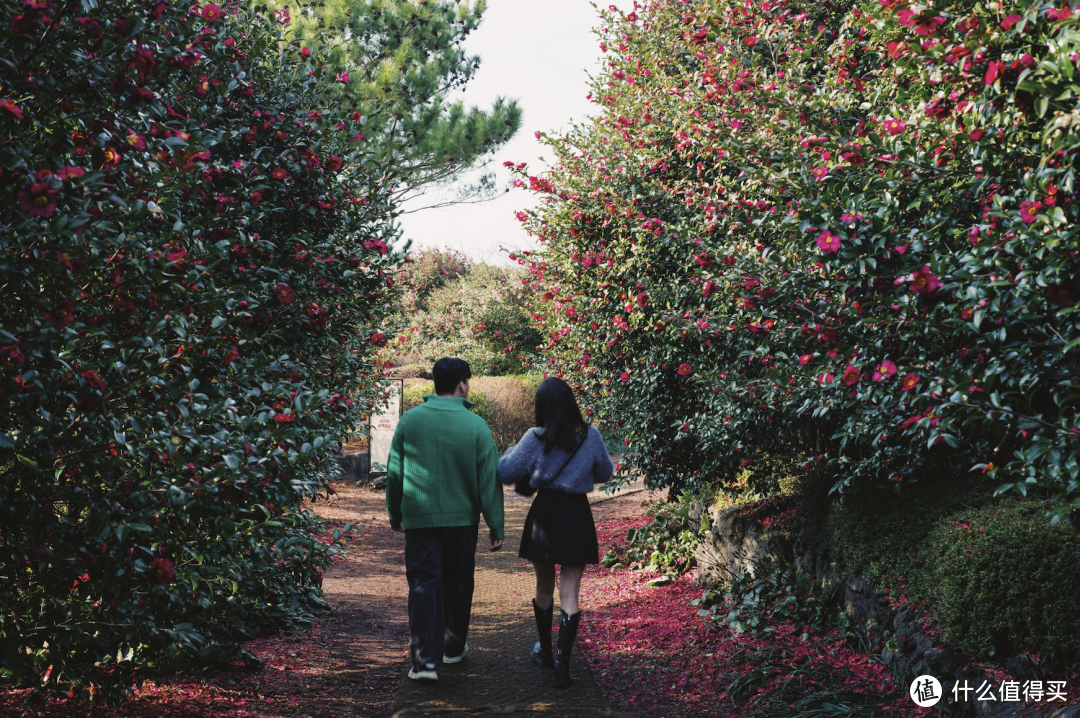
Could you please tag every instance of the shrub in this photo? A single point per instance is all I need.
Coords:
(426, 271)
(666, 544)
(1000, 578)
(513, 402)
(194, 255)
(830, 228)
(476, 316)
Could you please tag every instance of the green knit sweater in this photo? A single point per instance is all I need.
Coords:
(443, 468)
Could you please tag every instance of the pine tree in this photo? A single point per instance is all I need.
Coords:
(402, 59)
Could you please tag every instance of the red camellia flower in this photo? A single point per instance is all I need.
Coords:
(643, 299)
(851, 375)
(211, 12)
(624, 377)
(62, 314)
(828, 242)
(143, 61)
(279, 173)
(333, 164)
(70, 172)
(94, 381)
(284, 293)
(162, 570)
(9, 105)
(750, 41)
(924, 282)
(11, 354)
(992, 71)
(685, 370)
(305, 52)
(1063, 295)
(39, 199)
(255, 197)
(884, 370)
(81, 141)
(909, 382)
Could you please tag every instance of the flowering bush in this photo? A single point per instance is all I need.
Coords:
(838, 228)
(194, 247)
(476, 315)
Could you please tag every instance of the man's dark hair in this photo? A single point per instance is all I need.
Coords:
(448, 373)
(558, 414)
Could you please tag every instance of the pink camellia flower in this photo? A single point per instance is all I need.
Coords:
(825, 379)
(211, 12)
(685, 370)
(282, 16)
(884, 370)
(39, 199)
(851, 375)
(94, 380)
(9, 104)
(1009, 21)
(284, 293)
(642, 299)
(1029, 211)
(305, 52)
(909, 382)
(62, 314)
(284, 418)
(805, 358)
(820, 172)
(924, 282)
(162, 570)
(707, 288)
(750, 41)
(624, 377)
(135, 141)
(11, 354)
(343, 78)
(70, 172)
(828, 242)
(893, 126)
(993, 70)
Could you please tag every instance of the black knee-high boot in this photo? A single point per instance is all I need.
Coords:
(541, 651)
(568, 626)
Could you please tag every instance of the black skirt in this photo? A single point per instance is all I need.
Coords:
(560, 529)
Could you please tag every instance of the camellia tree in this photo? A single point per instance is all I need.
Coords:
(194, 255)
(840, 229)
(397, 61)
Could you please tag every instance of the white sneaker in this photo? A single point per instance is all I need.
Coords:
(448, 659)
(426, 674)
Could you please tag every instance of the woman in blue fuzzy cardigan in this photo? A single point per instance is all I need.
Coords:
(561, 459)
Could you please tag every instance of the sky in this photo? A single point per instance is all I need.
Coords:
(540, 53)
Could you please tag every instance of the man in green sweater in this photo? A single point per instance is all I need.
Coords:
(441, 475)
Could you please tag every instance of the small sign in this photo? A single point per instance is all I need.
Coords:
(384, 425)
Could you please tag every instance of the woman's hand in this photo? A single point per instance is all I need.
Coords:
(496, 544)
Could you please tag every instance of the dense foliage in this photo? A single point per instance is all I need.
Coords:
(847, 229)
(398, 61)
(665, 544)
(193, 254)
(455, 308)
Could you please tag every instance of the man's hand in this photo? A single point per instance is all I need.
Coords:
(496, 544)
(398, 529)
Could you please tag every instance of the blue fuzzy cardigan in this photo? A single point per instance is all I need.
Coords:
(591, 465)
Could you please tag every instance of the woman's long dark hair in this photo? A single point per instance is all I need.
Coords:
(557, 413)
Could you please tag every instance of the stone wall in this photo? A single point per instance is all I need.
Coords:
(355, 467)
(742, 540)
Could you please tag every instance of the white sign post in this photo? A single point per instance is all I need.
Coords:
(383, 426)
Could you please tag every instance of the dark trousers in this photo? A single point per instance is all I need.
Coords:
(439, 565)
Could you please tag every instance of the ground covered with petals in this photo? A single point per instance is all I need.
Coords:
(651, 652)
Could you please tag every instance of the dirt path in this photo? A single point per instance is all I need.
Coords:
(498, 676)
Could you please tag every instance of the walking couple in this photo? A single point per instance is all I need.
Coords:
(444, 472)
